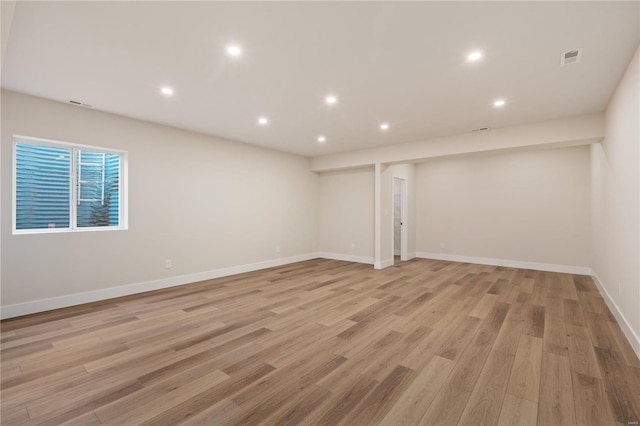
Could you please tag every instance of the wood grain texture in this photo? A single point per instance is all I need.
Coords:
(329, 343)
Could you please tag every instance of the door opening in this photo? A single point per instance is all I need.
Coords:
(399, 220)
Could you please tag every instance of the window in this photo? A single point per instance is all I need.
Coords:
(65, 187)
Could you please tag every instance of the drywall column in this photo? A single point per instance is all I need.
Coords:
(377, 235)
(386, 217)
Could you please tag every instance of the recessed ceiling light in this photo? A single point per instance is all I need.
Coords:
(263, 121)
(233, 50)
(384, 126)
(331, 99)
(167, 91)
(474, 56)
(498, 103)
(322, 139)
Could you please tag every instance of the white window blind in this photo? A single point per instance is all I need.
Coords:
(43, 179)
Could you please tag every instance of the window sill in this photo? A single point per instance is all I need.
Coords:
(68, 230)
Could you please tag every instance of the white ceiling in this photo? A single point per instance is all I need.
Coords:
(399, 62)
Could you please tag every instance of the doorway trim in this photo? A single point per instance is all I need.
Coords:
(404, 229)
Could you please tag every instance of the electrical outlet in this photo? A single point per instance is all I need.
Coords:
(441, 245)
(168, 264)
(353, 246)
(277, 249)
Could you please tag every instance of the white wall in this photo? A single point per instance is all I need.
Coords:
(530, 206)
(7, 9)
(346, 205)
(203, 202)
(616, 203)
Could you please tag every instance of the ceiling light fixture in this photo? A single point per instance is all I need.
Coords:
(263, 121)
(331, 100)
(474, 56)
(384, 126)
(322, 139)
(233, 50)
(167, 91)
(499, 103)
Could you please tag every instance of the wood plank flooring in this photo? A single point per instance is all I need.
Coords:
(328, 342)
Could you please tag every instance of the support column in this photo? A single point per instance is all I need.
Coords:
(377, 217)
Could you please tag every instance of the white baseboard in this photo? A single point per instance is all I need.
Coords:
(550, 267)
(383, 264)
(411, 255)
(26, 308)
(346, 257)
(631, 336)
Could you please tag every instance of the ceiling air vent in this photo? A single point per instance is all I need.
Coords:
(481, 129)
(570, 57)
(76, 103)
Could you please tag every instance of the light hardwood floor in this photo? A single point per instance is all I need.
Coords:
(329, 342)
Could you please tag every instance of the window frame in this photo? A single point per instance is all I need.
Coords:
(123, 210)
